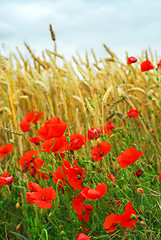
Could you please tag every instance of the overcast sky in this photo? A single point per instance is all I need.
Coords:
(79, 25)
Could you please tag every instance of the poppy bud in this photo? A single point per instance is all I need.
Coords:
(138, 173)
(50, 215)
(18, 226)
(142, 223)
(88, 98)
(17, 205)
(140, 190)
(133, 216)
(98, 142)
(68, 139)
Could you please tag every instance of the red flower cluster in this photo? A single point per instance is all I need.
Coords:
(30, 117)
(5, 179)
(128, 157)
(30, 161)
(126, 220)
(74, 175)
(5, 149)
(40, 196)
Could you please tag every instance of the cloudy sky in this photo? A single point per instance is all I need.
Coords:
(123, 25)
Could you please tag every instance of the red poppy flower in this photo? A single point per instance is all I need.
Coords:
(152, 130)
(55, 144)
(82, 236)
(92, 194)
(128, 157)
(5, 149)
(33, 116)
(42, 198)
(75, 177)
(159, 63)
(31, 160)
(129, 218)
(138, 173)
(107, 128)
(94, 133)
(99, 152)
(160, 176)
(110, 223)
(76, 142)
(53, 128)
(146, 66)
(24, 125)
(5, 179)
(61, 173)
(133, 113)
(131, 60)
(79, 206)
(35, 140)
(34, 187)
(112, 178)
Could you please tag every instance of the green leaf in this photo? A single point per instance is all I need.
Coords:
(20, 235)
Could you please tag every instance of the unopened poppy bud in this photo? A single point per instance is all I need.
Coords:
(17, 205)
(138, 173)
(36, 114)
(68, 139)
(88, 98)
(140, 190)
(133, 216)
(18, 226)
(50, 215)
(142, 223)
(62, 233)
(98, 142)
(33, 157)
